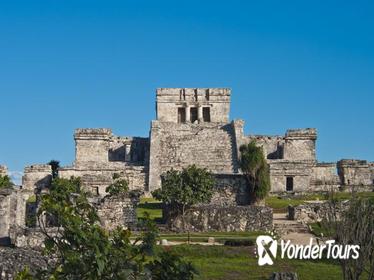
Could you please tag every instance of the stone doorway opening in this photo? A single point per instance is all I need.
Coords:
(181, 115)
(193, 115)
(289, 184)
(206, 114)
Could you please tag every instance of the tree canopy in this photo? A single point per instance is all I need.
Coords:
(120, 186)
(256, 170)
(55, 165)
(353, 225)
(5, 182)
(182, 189)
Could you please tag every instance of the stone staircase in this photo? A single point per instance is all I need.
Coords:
(283, 226)
(207, 145)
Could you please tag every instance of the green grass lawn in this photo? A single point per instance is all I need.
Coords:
(347, 195)
(226, 263)
(280, 204)
(218, 236)
(239, 263)
(152, 206)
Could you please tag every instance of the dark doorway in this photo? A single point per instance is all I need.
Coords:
(206, 114)
(181, 115)
(289, 184)
(193, 115)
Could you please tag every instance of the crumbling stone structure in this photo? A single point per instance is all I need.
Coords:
(358, 174)
(3, 170)
(13, 261)
(118, 211)
(193, 126)
(13, 202)
(316, 211)
(17, 205)
(206, 218)
(100, 155)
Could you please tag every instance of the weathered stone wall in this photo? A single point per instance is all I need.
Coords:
(12, 211)
(93, 179)
(134, 150)
(92, 145)
(14, 260)
(300, 171)
(98, 147)
(170, 99)
(324, 177)
(36, 179)
(8, 210)
(96, 179)
(208, 145)
(207, 218)
(100, 154)
(24, 237)
(355, 173)
(3, 170)
(118, 212)
(300, 144)
(36, 176)
(230, 190)
(296, 145)
(112, 211)
(272, 145)
(313, 212)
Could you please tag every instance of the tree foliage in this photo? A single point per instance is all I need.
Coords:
(55, 165)
(183, 189)
(118, 187)
(353, 225)
(172, 267)
(85, 250)
(5, 182)
(256, 170)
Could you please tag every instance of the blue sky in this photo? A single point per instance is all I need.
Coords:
(290, 64)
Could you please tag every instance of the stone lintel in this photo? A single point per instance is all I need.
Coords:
(38, 168)
(92, 133)
(304, 133)
(356, 163)
(192, 91)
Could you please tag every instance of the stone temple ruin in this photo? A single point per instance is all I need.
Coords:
(192, 126)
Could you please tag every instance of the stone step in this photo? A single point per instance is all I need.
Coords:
(284, 226)
(299, 228)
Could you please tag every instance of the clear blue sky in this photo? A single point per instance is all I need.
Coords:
(290, 64)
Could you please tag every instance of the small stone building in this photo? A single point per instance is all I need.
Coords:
(99, 155)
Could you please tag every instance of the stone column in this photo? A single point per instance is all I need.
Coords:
(200, 113)
(188, 114)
